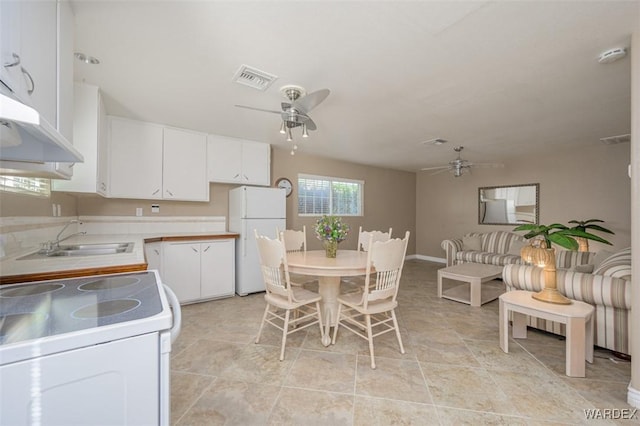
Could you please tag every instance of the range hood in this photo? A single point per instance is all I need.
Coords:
(26, 136)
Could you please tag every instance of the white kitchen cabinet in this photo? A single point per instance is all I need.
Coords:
(46, 55)
(152, 253)
(184, 166)
(199, 270)
(89, 128)
(233, 160)
(135, 159)
(28, 52)
(150, 161)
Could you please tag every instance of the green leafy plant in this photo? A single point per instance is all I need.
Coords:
(559, 234)
(583, 225)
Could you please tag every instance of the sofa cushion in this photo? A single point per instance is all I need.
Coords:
(499, 241)
(486, 258)
(618, 265)
(472, 242)
(515, 247)
(566, 259)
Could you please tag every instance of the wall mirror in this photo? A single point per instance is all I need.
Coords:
(508, 205)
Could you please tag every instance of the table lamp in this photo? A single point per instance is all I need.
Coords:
(538, 254)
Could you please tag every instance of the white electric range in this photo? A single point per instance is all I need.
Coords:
(92, 350)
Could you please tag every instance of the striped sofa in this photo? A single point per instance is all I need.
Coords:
(608, 289)
(494, 249)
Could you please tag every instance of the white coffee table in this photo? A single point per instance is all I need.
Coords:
(578, 318)
(475, 274)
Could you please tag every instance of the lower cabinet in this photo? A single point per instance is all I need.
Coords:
(199, 270)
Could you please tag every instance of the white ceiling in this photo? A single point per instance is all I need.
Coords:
(503, 78)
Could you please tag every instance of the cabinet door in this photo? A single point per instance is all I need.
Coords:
(10, 29)
(181, 269)
(153, 257)
(224, 159)
(217, 265)
(135, 159)
(256, 163)
(65, 29)
(38, 52)
(185, 166)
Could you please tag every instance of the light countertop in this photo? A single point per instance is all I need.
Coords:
(14, 271)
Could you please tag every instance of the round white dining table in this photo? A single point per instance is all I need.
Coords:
(347, 263)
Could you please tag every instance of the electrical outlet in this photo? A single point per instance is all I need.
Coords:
(138, 211)
(155, 208)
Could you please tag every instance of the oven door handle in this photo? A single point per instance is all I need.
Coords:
(177, 313)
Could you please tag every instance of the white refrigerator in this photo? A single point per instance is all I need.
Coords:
(263, 209)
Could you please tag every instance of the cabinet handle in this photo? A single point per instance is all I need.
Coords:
(155, 192)
(245, 177)
(156, 251)
(16, 61)
(169, 192)
(33, 84)
(208, 247)
(103, 186)
(192, 248)
(236, 176)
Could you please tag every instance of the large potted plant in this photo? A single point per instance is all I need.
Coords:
(583, 225)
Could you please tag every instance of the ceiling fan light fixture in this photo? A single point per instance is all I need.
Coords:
(304, 131)
(289, 136)
(282, 130)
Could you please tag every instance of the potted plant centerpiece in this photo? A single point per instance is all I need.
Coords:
(331, 230)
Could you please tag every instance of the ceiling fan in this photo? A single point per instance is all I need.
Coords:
(458, 166)
(295, 113)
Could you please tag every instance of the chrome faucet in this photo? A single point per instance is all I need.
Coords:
(50, 246)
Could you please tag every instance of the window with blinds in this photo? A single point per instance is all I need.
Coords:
(320, 195)
(24, 185)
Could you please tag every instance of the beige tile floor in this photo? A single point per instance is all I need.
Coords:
(453, 371)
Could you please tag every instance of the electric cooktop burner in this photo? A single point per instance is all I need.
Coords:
(43, 309)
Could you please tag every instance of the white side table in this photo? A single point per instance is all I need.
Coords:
(578, 318)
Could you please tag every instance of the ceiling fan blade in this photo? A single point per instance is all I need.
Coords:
(259, 109)
(436, 168)
(310, 124)
(441, 171)
(487, 165)
(310, 101)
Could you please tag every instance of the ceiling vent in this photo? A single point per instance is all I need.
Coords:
(253, 77)
(612, 140)
(436, 141)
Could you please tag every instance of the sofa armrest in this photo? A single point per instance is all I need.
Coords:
(451, 247)
(593, 289)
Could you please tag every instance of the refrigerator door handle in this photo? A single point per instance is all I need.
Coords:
(245, 236)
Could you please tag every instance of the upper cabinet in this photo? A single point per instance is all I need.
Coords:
(233, 160)
(28, 51)
(89, 130)
(150, 161)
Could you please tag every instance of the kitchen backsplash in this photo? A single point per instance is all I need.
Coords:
(18, 234)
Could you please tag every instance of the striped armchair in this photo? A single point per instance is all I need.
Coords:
(493, 248)
(608, 289)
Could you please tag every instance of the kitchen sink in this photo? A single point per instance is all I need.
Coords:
(68, 250)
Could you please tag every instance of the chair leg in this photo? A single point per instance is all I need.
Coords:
(264, 318)
(285, 330)
(370, 338)
(335, 328)
(395, 325)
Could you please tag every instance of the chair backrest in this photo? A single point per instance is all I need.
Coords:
(385, 260)
(365, 236)
(273, 264)
(294, 241)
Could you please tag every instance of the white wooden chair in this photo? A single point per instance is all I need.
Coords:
(296, 241)
(364, 236)
(282, 296)
(374, 308)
